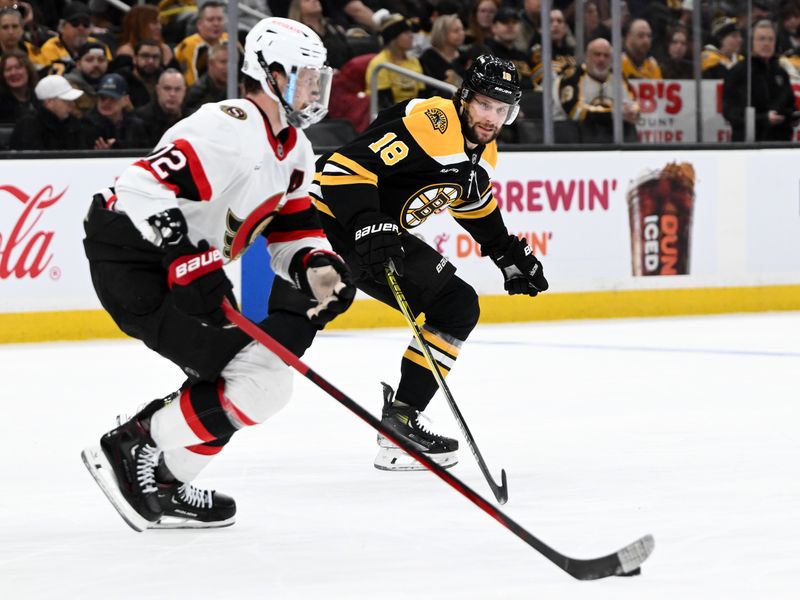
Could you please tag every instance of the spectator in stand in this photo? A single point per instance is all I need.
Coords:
(212, 85)
(151, 121)
(90, 66)
(349, 99)
(720, 56)
(563, 47)
(34, 32)
(12, 33)
(59, 52)
(142, 22)
(192, 52)
(530, 20)
(771, 92)
(593, 27)
(636, 60)
(52, 125)
(585, 94)
(505, 31)
(397, 41)
(443, 60)
(677, 64)
(309, 12)
(788, 22)
(17, 81)
(481, 18)
(111, 120)
(142, 76)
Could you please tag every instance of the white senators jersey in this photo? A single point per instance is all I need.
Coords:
(232, 179)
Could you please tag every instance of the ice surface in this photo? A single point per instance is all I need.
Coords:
(686, 428)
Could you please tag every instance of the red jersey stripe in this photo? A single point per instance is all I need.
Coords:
(290, 236)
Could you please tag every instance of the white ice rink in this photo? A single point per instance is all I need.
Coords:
(688, 429)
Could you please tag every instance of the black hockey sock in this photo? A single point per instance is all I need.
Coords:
(417, 383)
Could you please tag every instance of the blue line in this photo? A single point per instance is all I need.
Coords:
(601, 347)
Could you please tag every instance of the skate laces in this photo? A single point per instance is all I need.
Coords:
(424, 427)
(195, 496)
(146, 463)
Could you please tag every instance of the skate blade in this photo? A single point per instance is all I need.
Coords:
(179, 523)
(395, 459)
(99, 468)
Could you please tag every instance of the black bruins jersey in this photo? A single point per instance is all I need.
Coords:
(410, 164)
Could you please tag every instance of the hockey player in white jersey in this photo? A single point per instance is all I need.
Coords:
(230, 174)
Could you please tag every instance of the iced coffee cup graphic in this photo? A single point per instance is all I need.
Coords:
(660, 206)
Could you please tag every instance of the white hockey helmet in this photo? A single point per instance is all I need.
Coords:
(301, 54)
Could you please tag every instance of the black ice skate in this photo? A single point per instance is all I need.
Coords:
(404, 422)
(185, 506)
(124, 467)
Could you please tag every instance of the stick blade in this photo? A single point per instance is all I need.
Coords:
(625, 562)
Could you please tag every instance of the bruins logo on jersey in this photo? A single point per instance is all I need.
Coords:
(428, 201)
(438, 119)
(233, 111)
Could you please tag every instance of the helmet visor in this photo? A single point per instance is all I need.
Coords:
(309, 87)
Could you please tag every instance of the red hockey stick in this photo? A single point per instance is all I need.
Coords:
(626, 561)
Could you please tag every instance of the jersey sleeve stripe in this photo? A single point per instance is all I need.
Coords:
(475, 214)
(196, 169)
(346, 180)
(290, 236)
(353, 167)
(170, 186)
(323, 208)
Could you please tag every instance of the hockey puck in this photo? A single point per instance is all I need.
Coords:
(636, 571)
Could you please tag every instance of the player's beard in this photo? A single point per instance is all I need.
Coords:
(472, 132)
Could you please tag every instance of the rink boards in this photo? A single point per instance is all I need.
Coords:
(714, 232)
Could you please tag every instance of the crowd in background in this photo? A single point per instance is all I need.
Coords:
(77, 75)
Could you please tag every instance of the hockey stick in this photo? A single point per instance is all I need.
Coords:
(500, 491)
(626, 561)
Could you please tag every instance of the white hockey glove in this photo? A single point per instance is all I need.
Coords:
(323, 277)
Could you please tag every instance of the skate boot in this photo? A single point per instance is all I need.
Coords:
(185, 506)
(404, 422)
(124, 467)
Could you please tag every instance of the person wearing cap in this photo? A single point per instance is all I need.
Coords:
(721, 55)
(59, 52)
(637, 63)
(110, 120)
(90, 66)
(52, 126)
(505, 31)
(397, 41)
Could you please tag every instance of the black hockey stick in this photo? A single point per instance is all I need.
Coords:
(500, 491)
(626, 561)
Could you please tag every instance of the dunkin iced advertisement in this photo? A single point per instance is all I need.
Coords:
(660, 208)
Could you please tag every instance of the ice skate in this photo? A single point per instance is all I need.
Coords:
(188, 507)
(124, 467)
(404, 421)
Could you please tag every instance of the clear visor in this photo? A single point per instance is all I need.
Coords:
(489, 106)
(309, 87)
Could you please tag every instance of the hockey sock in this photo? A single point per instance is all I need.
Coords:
(417, 383)
(185, 464)
(203, 414)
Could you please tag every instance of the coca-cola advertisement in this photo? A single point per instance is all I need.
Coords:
(42, 205)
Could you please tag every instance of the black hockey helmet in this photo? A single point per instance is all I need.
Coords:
(496, 78)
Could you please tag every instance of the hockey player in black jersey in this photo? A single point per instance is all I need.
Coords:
(232, 173)
(418, 158)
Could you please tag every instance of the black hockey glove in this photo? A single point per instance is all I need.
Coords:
(197, 281)
(522, 271)
(323, 277)
(377, 241)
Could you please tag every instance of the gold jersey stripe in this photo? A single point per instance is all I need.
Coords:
(322, 207)
(475, 214)
(351, 165)
(346, 180)
(436, 142)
